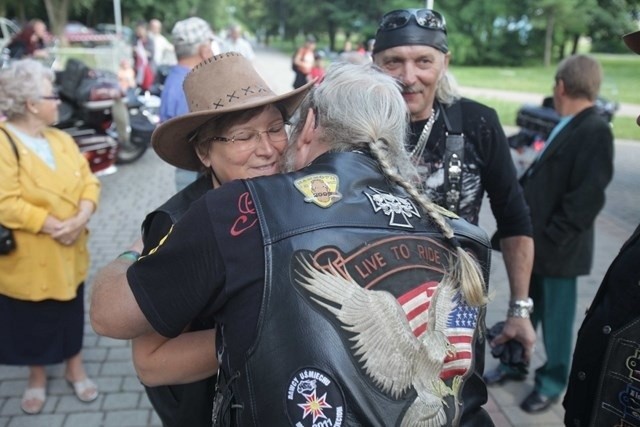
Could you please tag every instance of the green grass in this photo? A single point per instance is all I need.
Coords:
(621, 78)
(623, 127)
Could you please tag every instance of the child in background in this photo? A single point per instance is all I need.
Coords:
(317, 71)
(126, 76)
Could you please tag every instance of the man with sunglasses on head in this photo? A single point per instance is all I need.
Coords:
(461, 152)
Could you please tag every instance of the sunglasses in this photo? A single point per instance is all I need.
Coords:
(425, 18)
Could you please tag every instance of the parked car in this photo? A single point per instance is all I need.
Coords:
(127, 33)
(78, 33)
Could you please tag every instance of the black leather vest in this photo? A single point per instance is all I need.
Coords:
(341, 215)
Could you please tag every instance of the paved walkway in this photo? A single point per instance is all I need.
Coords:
(136, 189)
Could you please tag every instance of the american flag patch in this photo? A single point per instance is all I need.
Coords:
(461, 325)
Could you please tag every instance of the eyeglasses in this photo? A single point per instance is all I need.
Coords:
(248, 139)
(425, 18)
(52, 97)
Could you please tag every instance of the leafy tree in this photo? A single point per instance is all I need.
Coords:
(609, 21)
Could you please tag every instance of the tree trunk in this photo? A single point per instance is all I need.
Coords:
(548, 37)
(58, 13)
(576, 40)
(332, 35)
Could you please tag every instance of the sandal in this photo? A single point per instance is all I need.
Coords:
(85, 390)
(33, 400)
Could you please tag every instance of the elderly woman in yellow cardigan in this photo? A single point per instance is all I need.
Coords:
(47, 195)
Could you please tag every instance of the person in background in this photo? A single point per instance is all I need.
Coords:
(192, 41)
(602, 382)
(119, 111)
(461, 153)
(47, 195)
(163, 50)
(260, 269)
(353, 56)
(143, 54)
(191, 404)
(348, 46)
(126, 76)
(217, 44)
(317, 72)
(30, 41)
(235, 42)
(565, 189)
(303, 61)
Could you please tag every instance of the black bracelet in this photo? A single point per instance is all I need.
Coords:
(129, 255)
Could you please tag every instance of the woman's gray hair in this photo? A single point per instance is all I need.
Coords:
(20, 82)
(360, 107)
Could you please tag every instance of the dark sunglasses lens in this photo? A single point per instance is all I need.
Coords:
(429, 19)
(393, 20)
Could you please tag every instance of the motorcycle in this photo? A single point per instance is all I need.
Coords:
(85, 113)
(139, 115)
(107, 127)
(536, 123)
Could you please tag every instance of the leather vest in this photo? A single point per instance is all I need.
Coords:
(325, 359)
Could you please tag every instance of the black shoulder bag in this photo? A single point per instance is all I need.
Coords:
(453, 156)
(7, 242)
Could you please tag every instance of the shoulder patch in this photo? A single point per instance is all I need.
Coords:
(320, 189)
(399, 209)
(314, 399)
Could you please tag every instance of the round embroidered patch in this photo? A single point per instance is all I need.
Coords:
(314, 400)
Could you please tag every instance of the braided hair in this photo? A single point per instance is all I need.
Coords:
(366, 111)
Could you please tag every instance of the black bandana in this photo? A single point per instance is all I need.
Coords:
(410, 34)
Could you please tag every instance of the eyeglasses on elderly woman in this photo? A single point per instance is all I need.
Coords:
(248, 139)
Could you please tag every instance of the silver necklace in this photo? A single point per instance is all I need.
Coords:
(418, 150)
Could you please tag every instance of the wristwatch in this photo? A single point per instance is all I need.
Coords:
(520, 308)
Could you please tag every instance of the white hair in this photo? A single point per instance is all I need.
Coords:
(20, 82)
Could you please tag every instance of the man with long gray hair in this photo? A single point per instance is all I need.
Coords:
(340, 293)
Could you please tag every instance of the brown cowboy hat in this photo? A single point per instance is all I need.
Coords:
(223, 84)
(632, 40)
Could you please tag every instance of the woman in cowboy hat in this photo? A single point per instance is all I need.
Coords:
(236, 129)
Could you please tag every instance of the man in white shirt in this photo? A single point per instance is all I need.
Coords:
(236, 43)
(163, 52)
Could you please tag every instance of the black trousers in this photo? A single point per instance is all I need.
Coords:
(185, 404)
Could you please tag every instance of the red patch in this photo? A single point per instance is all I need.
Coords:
(247, 217)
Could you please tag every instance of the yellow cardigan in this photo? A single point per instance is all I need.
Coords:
(41, 268)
